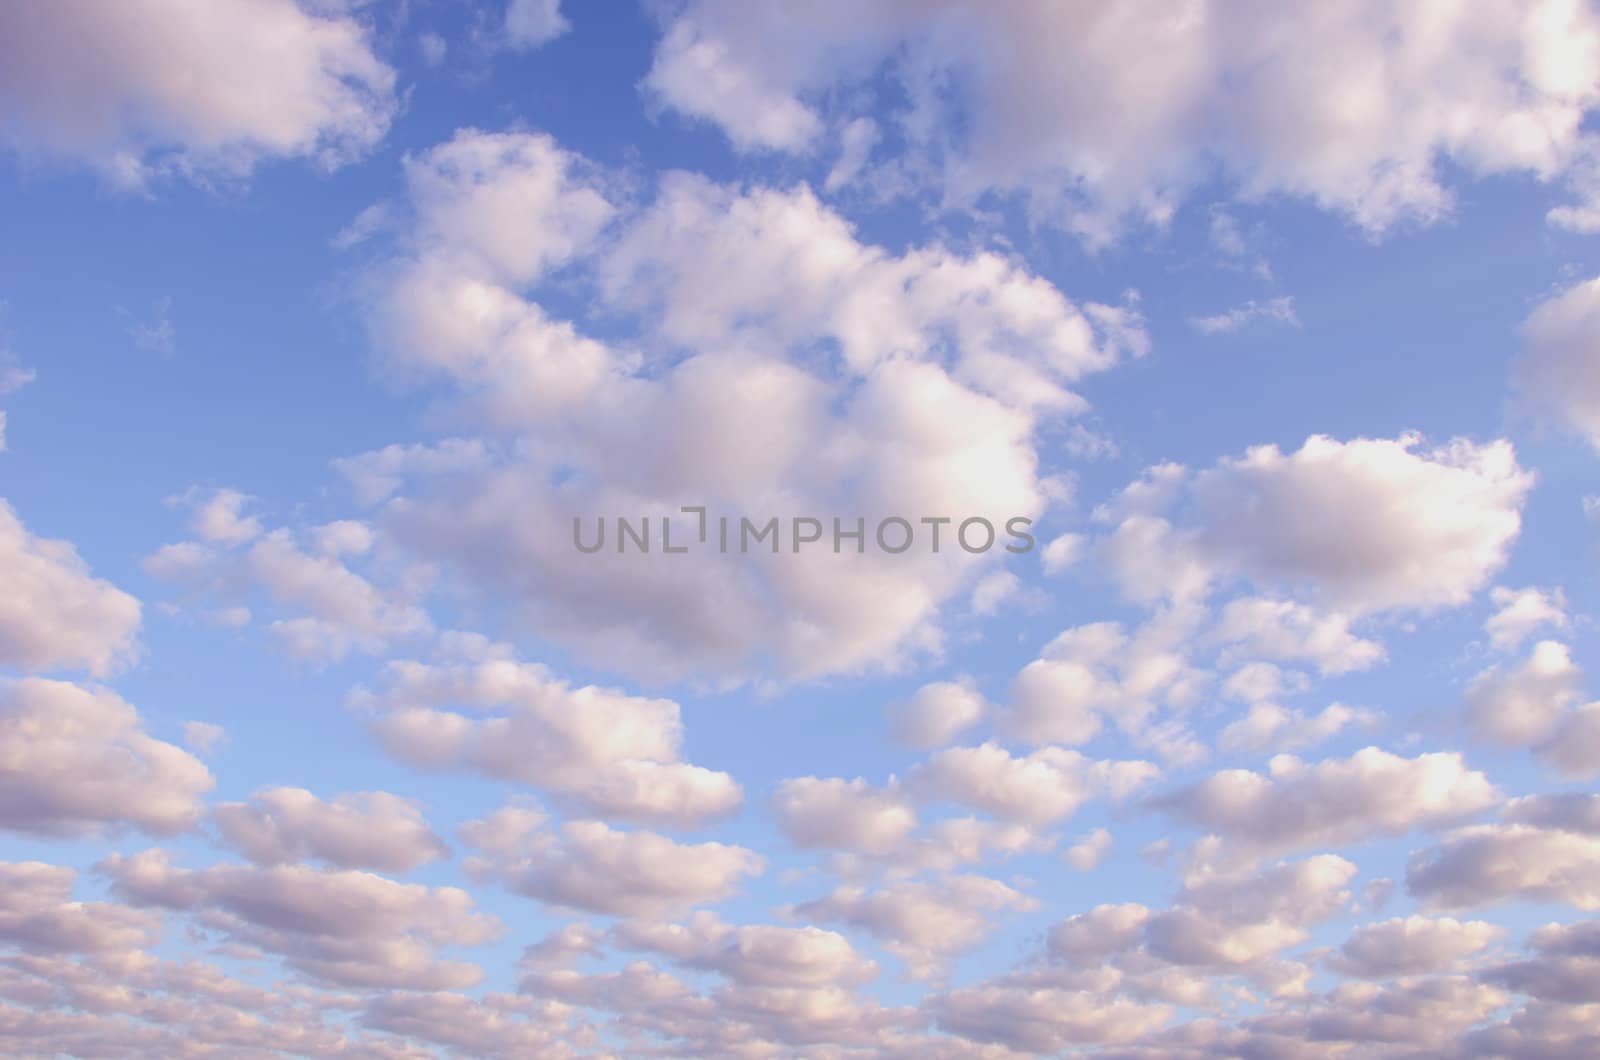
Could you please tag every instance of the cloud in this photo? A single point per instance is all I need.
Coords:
(924, 924)
(1035, 789)
(1496, 862)
(263, 79)
(54, 614)
(1413, 945)
(589, 865)
(937, 713)
(1268, 725)
(1577, 812)
(364, 830)
(816, 813)
(1521, 706)
(1296, 805)
(74, 761)
(1521, 612)
(607, 753)
(713, 393)
(1362, 526)
(327, 608)
(203, 737)
(38, 914)
(1361, 110)
(1275, 310)
(1087, 854)
(758, 954)
(1558, 372)
(1286, 631)
(1039, 1022)
(531, 23)
(1574, 747)
(350, 929)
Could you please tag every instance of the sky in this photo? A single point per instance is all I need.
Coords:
(323, 323)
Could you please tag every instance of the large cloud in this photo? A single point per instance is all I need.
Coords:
(200, 88)
(53, 613)
(75, 761)
(1360, 109)
(770, 363)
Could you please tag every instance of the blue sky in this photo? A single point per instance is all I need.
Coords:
(1286, 343)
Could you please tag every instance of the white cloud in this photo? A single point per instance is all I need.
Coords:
(1413, 945)
(588, 865)
(364, 830)
(260, 79)
(836, 814)
(924, 924)
(1359, 109)
(38, 914)
(757, 954)
(53, 613)
(946, 366)
(1521, 612)
(1035, 789)
(1521, 706)
(1087, 853)
(1269, 726)
(1257, 627)
(530, 23)
(1577, 812)
(351, 929)
(937, 713)
(1296, 805)
(607, 753)
(327, 608)
(75, 761)
(204, 737)
(1559, 369)
(1274, 310)
(1491, 863)
(1574, 747)
(1369, 524)
(1039, 1022)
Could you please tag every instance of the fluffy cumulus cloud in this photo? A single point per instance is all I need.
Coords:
(1296, 804)
(590, 865)
(1365, 525)
(598, 749)
(76, 760)
(207, 90)
(1361, 110)
(1498, 862)
(924, 924)
(726, 397)
(1558, 373)
(1272, 750)
(322, 607)
(1413, 945)
(365, 830)
(346, 928)
(54, 614)
(1521, 704)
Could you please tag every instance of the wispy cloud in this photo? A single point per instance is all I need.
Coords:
(1275, 310)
